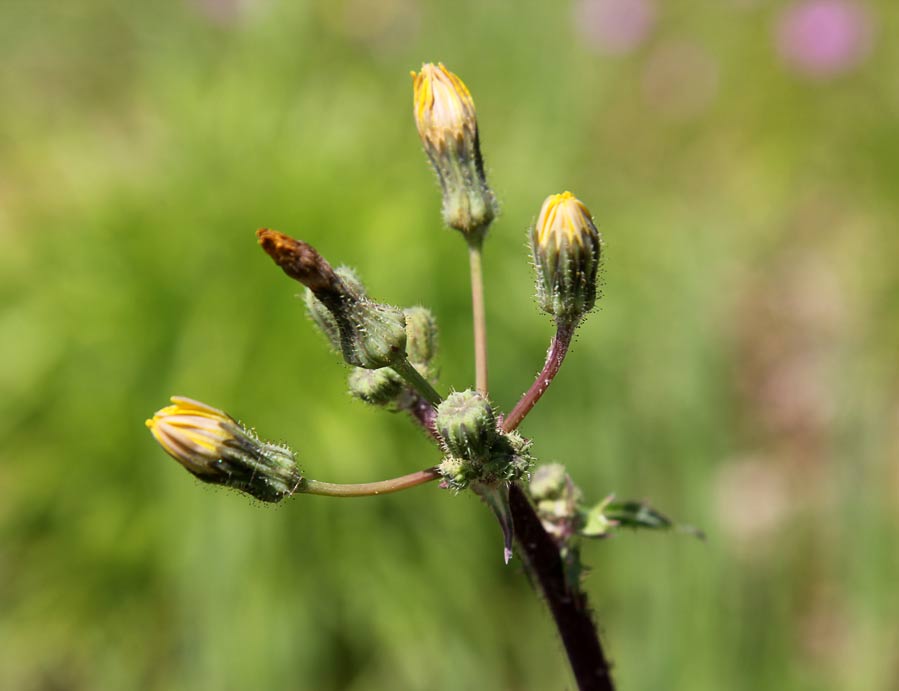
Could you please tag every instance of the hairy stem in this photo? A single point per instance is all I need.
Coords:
(570, 609)
(424, 414)
(368, 489)
(412, 376)
(554, 358)
(475, 245)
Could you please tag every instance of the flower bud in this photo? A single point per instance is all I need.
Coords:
(557, 501)
(548, 481)
(321, 316)
(379, 387)
(448, 126)
(566, 248)
(421, 335)
(219, 450)
(372, 335)
(467, 425)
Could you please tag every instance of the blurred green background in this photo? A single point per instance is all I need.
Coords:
(742, 371)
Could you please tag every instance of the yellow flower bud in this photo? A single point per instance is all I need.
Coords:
(447, 123)
(566, 247)
(217, 449)
(444, 109)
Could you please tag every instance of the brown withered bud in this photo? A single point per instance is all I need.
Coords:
(300, 261)
(372, 335)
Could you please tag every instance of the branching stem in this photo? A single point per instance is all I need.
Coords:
(412, 376)
(558, 348)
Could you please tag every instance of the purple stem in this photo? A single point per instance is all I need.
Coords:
(569, 607)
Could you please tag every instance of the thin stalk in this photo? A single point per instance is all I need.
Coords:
(412, 376)
(570, 609)
(479, 318)
(554, 358)
(368, 489)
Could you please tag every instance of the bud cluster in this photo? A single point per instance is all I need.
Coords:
(217, 449)
(382, 386)
(371, 335)
(477, 451)
(557, 500)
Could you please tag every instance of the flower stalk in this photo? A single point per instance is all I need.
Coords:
(368, 489)
(405, 369)
(478, 314)
(558, 349)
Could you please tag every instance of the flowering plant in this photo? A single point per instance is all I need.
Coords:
(391, 354)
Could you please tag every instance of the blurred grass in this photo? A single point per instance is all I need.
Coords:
(741, 371)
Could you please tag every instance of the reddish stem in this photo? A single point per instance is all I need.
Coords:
(554, 358)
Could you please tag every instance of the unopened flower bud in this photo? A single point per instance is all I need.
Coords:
(467, 425)
(321, 316)
(566, 248)
(548, 481)
(421, 335)
(448, 126)
(217, 449)
(556, 498)
(379, 387)
(372, 335)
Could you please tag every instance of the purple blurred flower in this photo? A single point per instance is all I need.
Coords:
(823, 38)
(615, 26)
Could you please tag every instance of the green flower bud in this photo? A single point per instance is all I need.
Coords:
(321, 316)
(421, 335)
(379, 387)
(467, 425)
(477, 452)
(548, 481)
(217, 449)
(566, 249)
(372, 335)
(557, 501)
(448, 126)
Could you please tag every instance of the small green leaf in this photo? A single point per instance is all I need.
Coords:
(637, 514)
(594, 522)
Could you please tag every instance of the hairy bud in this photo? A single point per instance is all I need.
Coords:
(421, 335)
(478, 453)
(467, 425)
(321, 316)
(566, 249)
(219, 450)
(379, 387)
(372, 335)
(448, 126)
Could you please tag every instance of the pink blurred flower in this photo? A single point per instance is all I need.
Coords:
(615, 26)
(823, 38)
